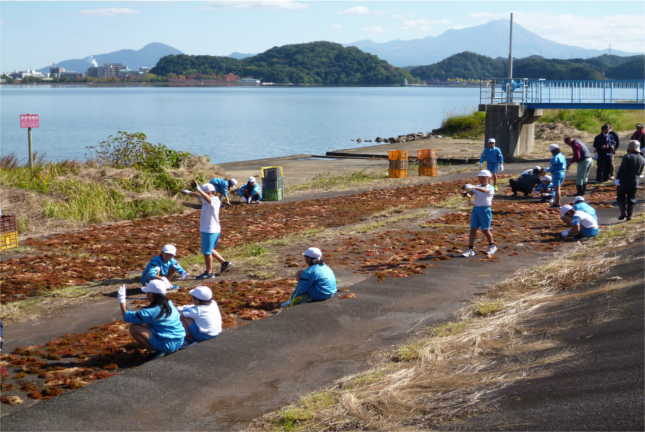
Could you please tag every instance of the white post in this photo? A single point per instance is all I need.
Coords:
(510, 63)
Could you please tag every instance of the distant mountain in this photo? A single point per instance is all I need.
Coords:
(148, 56)
(490, 39)
(309, 63)
(239, 55)
(468, 65)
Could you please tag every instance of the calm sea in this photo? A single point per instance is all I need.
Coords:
(227, 124)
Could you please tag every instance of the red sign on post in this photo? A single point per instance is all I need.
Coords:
(29, 120)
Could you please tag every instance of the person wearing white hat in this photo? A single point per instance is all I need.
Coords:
(250, 192)
(201, 320)
(582, 223)
(527, 180)
(316, 283)
(481, 217)
(163, 265)
(544, 189)
(209, 228)
(222, 187)
(558, 170)
(579, 204)
(157, 326)
(494, 159)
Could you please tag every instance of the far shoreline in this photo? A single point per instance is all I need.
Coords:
(194, 85)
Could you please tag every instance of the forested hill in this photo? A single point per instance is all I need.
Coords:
(309, 63)
(468, 65)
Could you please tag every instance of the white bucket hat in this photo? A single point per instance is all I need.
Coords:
(157, 286)
(207, 187)
(232, 182)
(554, 147)
(578, 199)
(484, 173)
(565, 209)
(202, 293)
(546, 178)
(313, 252)
(251, 180)
(491, 140)
(169, 249)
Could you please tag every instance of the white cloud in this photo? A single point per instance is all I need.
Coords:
(282, 4)
(337, 26)
(423, 25)
(375, 29)
(109, 11)
(356, 10)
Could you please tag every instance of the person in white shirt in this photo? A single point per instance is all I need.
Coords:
(482, 215)
(582, 223)
(201, 320)
(209, 228)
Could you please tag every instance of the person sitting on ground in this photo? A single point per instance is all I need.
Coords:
(558, 170)
(582, 223)
(163, 265)
(316, 283)
(156, 327)
(222, 187)
(482, 214)
(494, 159)
(250, 192)
(201, 320)
(579, 204)
(527, 180)
(626, 181)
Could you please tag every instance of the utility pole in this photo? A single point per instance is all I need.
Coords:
(509, 93)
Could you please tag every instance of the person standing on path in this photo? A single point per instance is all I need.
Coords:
(222, 187)
(605, 144)
(581, 156)
(639, 135)
(209, 228)
(627, 179)
(316, 283)
(558, 170)
(494, 159)
(481, 217)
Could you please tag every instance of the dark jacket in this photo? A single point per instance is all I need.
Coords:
(580, 151)
(640, 137)
(630, 168)
(606, 145)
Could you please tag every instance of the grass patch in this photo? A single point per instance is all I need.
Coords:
(463, 126)
(449, 329)
(483, 309)
(327, 181)
(592, 120)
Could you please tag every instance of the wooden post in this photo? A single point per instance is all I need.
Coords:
(29, 144)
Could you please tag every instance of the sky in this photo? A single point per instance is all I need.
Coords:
(34, 34)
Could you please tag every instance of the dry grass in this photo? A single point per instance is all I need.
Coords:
(448, 375)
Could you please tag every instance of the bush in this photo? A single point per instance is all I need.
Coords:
(592, 120)
(464, 126)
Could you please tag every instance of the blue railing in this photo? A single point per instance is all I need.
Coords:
(541, 93)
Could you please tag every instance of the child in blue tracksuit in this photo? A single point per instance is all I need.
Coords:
(579, 204)
(250, 192)
(222, 187)
(164, 265)
(158, 326)
(545, 188)
(316, 283)
(481, 217)
(558, 170)
(494, 159)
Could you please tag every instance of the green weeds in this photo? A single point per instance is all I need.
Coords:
(592, 120)
(326, 181)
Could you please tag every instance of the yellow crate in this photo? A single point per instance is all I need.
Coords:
(398, 173)
(8, 240)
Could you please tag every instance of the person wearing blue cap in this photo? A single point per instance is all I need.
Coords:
(494, 159)
(316, 283)
(222, 187)
(481, 217)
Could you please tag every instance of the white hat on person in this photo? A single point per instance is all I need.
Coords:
(202, 293)
(491, 140)
(232, 182)
(251, 179)
(538, 167)
(484, 173)
(169, 249)
(554, 147)
(313, 252)
(157, 286)
(578, 199)
(207, 187)
(546, 178)
(565, 209)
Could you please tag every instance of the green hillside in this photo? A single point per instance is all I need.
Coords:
(317, 63)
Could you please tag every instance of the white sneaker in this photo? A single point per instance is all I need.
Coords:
(469, 253)
(491, 250)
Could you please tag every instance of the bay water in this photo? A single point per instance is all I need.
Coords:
(225, 123)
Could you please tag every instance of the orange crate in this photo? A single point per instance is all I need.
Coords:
(428, 171)
(8, 240)
(397, 173)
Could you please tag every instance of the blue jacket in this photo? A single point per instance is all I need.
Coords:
(255, 191)
(317, 281)
(165, 327)
(158, 267)
(583, 206)
(221, 185)
(492, 156)
(558, 164)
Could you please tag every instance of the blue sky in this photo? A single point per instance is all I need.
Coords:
(34, 34)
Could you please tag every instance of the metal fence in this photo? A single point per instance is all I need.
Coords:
(544, 92)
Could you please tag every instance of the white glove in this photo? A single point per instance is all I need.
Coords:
(501, 168)
(617, 182)
(120, 295)
(468, 187)
(186, 191)
(564, 234)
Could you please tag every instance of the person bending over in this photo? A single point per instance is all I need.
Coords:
(582, 224)
(201, 320)
(250, 192)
